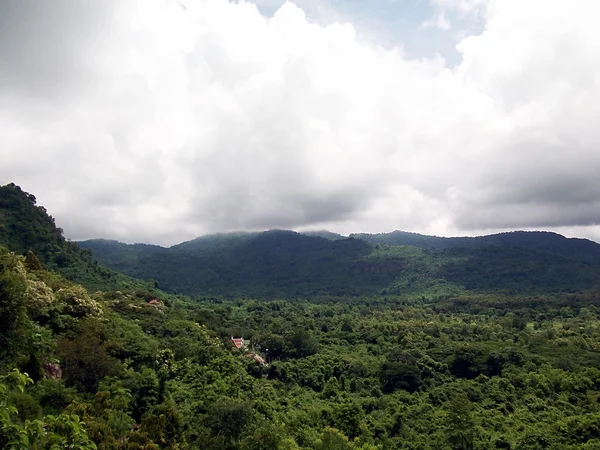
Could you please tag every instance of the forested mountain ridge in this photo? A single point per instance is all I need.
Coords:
(286, 264)
(276, 263)
(541, 241)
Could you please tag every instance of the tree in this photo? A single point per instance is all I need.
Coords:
(32, 262)
(461, 425)
(400, 375)
(163, 423)
(229, 420)
(301, 344)
(347, 417)
(266, 436)
(62, 431)
(333, 439)
(85, 359)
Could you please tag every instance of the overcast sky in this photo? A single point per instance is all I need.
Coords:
(161, 120)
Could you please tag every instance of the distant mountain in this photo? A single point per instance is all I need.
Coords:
(324, 234)
(121, 257)
(213, 242)
(270, 264)
(286, 264)
(543, 241)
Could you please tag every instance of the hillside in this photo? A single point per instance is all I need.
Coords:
(138, 369)
(287, 264)
(531, 240)
(271, 264)
(125, 370)
(25, 226)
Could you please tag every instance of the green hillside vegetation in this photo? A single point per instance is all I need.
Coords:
(285, 264)
(270, 264)
(540, 241)
(136, 368)
(422, 275)
(324, 234)
(473, 372)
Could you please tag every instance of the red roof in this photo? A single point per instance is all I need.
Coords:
(154, 302)
(238, 342)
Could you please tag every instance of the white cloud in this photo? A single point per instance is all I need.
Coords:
(438, 21)
(462, 7)
(168, 121)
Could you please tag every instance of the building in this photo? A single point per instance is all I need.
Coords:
(239, 343)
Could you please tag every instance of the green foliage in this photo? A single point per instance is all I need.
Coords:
(267, 436)
(86, 358)
(283, 264)
(401, 375)
(270, 264)
(163, 424)
(332, 439)
(461, 425)
(12, 290)
(229, 420)
(423, 364)
(300, 344)
(18, 432)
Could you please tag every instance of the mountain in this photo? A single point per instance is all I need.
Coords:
(324, 234)
(543, 241)
(130, 370)
(121, 256)
(274, 263)
(286, 264)
(25, 226)
(213, 242)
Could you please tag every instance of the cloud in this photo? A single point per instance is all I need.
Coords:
(438, 21)
(461, 7)
(161, 120)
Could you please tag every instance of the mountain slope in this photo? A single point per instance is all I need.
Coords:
(25, 227)
(288, 264)
(543, 241)
(271, 264)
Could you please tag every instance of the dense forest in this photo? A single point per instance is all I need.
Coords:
(286, 264)
(415, 347)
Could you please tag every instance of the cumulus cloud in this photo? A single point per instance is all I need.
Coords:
(462, 7)
(161, 120)
(438, 21)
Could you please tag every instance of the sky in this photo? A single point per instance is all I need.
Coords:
(161, 120)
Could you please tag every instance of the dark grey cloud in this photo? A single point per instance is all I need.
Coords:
(46, 47)
(146, 121)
